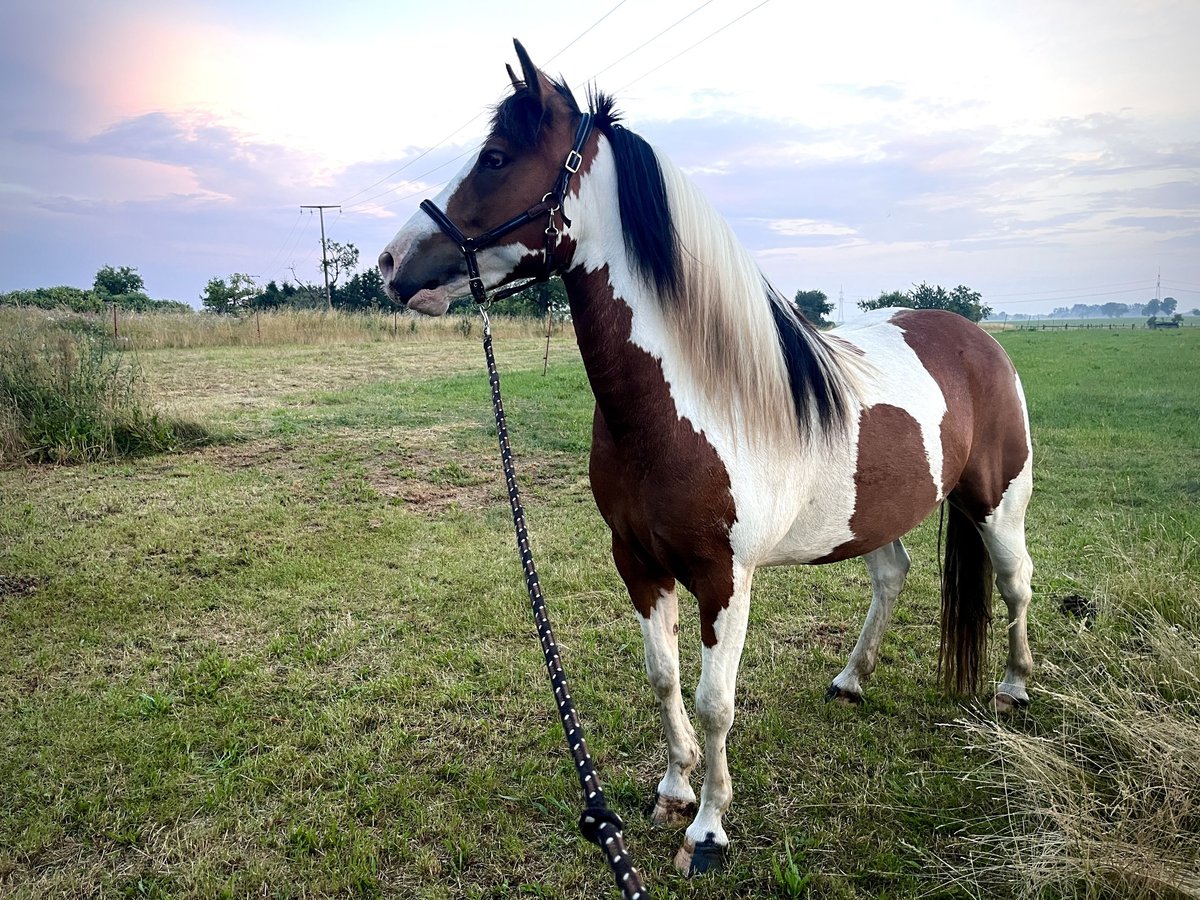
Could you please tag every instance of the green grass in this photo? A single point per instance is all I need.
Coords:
(302, 664)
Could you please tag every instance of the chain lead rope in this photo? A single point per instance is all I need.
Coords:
(597, 822)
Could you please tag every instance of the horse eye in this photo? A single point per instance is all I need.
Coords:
(493, 159)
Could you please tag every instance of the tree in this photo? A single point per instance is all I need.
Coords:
(1152, 307)
(114, 282)
(815, 306)
(363, 291)
(122, 287)
(274, 296)
(887, 299)
(962, 300)
(1114, 310)
(1168, 305)
(229, 297)
(338, 260)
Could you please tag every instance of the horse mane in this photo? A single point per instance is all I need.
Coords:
(708, 286)
(721, 302)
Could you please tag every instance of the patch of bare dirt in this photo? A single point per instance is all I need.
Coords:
(18, 586)
(267, 453)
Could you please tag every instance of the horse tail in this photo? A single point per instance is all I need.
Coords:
(967, 581)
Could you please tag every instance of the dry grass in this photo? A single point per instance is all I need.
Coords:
(1103, 793)
(276, 328)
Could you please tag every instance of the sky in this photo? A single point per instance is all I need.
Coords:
(1042, 153)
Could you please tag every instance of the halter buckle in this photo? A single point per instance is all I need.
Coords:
(574, 161)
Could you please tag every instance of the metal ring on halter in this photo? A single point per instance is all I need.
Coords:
(550, 227)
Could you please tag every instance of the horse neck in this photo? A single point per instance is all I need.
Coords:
(716, 345)
(627, 381)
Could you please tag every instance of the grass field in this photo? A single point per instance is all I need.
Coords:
(300, 664)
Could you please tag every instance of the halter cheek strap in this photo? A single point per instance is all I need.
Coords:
(549, 205)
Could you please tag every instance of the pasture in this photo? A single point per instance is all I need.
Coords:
(301, 663)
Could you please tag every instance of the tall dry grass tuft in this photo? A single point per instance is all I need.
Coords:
(1101, 781)
(67, 397)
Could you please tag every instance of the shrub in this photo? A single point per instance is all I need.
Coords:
(67, 397)
(63, 296)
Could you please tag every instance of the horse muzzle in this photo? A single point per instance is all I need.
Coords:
(417, 275)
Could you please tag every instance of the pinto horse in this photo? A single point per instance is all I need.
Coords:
(729, 433)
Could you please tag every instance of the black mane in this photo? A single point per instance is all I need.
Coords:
(646, 221)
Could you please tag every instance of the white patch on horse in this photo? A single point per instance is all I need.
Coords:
(907, 385)
(661, 643)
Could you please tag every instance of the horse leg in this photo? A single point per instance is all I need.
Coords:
(888, 567)
(655, 600)
(1003, 534)
(705, 841)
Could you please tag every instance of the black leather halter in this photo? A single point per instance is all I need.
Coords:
(549, 205)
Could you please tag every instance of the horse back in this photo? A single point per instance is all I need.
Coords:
(983, 432)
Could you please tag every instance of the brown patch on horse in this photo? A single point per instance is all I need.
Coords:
(663, 490)
(892, 488)
(982, 450)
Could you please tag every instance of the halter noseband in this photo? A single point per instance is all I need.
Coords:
(550, 204)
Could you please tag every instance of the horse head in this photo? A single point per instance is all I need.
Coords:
(501, 203)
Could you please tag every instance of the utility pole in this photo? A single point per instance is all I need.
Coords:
(324, 260)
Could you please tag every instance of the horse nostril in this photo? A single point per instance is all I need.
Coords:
(386, 266)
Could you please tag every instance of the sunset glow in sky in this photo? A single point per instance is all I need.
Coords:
(1043, 153)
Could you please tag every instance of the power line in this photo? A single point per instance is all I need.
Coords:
(269, 266)
(308, 220)
(585, 31)
(652, 40)
(420, 155)
(324, 260)
(693, 46)
(1043, 299)
(471, 120)
(1090, 287)
(366, 204)
(362, 205)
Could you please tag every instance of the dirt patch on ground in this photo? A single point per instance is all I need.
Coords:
(267, 453)
(18, 586)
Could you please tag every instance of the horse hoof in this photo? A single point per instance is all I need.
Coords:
(700, 859)
(1006, 703)
(670, 812)
(846, 698)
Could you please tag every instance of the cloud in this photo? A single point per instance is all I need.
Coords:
(808, 228)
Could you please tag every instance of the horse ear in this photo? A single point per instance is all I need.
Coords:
(533, 79)
(517, 83)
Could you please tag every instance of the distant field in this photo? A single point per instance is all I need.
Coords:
(301, 664)
(1126, 323)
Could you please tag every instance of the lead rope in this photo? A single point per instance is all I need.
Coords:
(597, 822)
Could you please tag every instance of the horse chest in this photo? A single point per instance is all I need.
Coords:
(665, 492)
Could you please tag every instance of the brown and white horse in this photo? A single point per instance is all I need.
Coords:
(729, 433)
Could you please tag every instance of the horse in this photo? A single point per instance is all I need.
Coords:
(729, 433)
